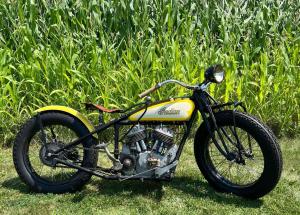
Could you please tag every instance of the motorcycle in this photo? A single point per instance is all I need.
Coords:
(56, 151)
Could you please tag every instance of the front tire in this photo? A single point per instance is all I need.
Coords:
(29, 153)
(259, 181)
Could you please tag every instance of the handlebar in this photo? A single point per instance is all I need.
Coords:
(152, 89)
(147, 92)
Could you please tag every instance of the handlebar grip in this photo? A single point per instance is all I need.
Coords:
(150, 90)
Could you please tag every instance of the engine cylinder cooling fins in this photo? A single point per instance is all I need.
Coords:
(163, 134)
(137, 134)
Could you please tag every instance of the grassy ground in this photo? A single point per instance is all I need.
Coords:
(188, 193)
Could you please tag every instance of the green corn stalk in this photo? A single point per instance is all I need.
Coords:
(67, 52)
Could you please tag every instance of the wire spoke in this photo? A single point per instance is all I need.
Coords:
(44, 168)
(238, 171)
(53, 134)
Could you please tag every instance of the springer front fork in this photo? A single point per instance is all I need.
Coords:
(206, 107)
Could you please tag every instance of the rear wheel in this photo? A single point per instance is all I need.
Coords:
(31, 153)
(253, 165)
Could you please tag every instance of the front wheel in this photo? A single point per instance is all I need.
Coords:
(253, 164)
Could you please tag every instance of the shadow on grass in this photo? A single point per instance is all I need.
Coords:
(200, 189)
(152, 189)
(130, 188)
(16, 184)
(186, 185)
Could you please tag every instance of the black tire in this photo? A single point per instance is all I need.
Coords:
(270, 150)
(22, 161)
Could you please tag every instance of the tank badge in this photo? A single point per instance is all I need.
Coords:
(163, 111)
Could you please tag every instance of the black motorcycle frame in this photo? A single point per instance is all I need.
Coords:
(204, 103)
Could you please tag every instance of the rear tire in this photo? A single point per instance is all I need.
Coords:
(272, 158)
(23, 163)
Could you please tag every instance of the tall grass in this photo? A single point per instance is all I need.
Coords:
(67, 52)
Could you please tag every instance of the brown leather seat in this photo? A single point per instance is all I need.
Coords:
(90, 106)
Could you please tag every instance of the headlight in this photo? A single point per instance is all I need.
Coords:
(215, 74)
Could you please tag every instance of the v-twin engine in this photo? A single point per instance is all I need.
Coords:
(148, 149)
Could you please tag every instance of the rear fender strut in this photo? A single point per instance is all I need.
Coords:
(42, 134)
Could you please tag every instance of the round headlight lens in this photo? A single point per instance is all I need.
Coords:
(215, 74)
(219, 76)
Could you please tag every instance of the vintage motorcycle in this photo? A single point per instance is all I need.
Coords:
(57, 150)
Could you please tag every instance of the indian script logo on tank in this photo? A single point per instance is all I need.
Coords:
(164, 111)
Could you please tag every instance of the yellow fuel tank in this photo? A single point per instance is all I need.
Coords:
(173, 110)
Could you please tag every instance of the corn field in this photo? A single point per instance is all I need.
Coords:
(67, 52)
